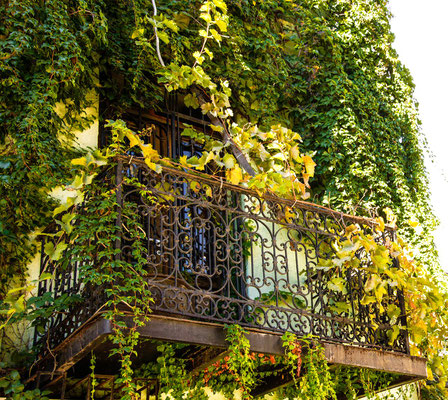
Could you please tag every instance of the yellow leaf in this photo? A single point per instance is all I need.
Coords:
(309, 165)
(221, 4)
(367, 300)
(430, 374)
(215, 35)
(79, 161)
(302, 188)
(414, 223)
(148, 152)
(229, 161)
(371, 283)
(306, 178)
(208, 191)
(295, 154)
(134, 140)
(352, 228)
(379, 293)
(421, 324)
(63, 207)
(337, 285)
(183, 161)
(150, 165)
(222, 25)
(216, 128)
(381, 225)
(235, 175)
(137, 33)
(195, 186)
(289, 214)
(78, 182)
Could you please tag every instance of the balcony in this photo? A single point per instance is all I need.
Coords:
(220, 254)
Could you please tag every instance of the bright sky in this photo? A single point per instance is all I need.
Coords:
(421, 40)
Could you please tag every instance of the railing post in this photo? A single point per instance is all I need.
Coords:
(400, 295)
(403, 318)
(119, 194)
(41, 287)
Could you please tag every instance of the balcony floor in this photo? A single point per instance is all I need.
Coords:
(92, 336)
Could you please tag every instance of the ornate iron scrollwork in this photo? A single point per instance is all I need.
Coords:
(221, 253)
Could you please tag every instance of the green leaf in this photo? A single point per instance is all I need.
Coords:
(341, 307)
(163, 36)
(191, 100)
(171, 24)
(19, 304)
(182, 20)
(198, 57)
(229, 161)
(137, 33)
(392, 334)
(45, 276)
(57, 253)
(49, 248)
(337, 285)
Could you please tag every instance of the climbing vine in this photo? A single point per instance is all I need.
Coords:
(239, 370)
(316, 382)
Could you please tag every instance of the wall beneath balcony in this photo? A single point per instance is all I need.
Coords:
(85, 139)
(405, 392)
(88, 138)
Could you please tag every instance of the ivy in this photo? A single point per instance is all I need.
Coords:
(239, 370)
(241, 363)
(317, 382)
(14, 389)
(47, 59)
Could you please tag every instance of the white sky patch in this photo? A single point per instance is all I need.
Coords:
(421, 40)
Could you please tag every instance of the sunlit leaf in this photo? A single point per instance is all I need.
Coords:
(235, 175)
(309, 165)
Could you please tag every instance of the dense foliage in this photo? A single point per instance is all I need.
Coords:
(267, 73)
(336, 81)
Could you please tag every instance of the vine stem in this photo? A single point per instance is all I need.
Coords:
(159, 55)
(225, 134)
(203, 44)
(240, 157)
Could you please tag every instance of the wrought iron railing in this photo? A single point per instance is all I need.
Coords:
(221, 253)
